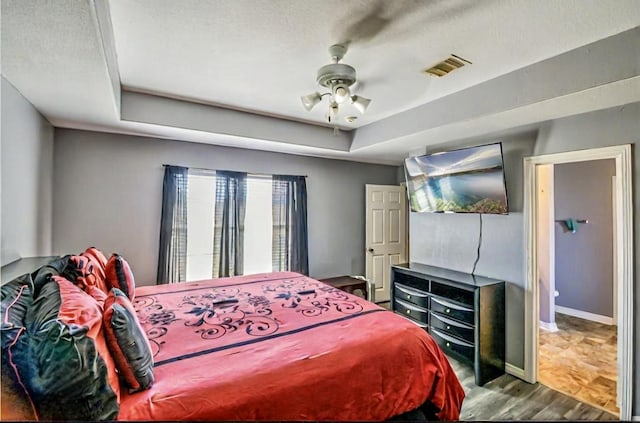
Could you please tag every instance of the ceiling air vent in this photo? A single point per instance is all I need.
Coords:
(447, 66)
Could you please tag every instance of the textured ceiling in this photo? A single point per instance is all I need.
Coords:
(70, 58)
(263, 55)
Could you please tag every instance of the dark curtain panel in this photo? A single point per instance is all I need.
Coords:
(172, 258)
(228, 231)
(290, 239)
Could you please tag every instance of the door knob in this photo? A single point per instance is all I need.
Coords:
(370, 250)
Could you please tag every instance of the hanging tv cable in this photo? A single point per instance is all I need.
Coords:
(479, 244)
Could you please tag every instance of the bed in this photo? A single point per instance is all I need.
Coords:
(282, 346)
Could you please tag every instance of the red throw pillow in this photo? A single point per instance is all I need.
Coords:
(128, 342)
(99, 262)
(82, 269)
(119, 275)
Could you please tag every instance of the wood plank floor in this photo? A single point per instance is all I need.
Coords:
(509, 398)
(580, 360)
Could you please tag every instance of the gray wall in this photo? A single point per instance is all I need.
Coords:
(620, 125)
(584, 259)
(27, 170)
(108, 192)
(451, 241)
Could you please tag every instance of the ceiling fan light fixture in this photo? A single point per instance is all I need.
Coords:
(341, 93)
(310, 100)
(332, 113)
(337, 77)
(360, 103)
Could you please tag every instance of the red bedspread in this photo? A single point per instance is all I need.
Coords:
(282, 354)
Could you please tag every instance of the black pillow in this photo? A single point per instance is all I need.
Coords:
(55, 267)
(16, 297)
(64, 374)
(59, 364)
(127, 342)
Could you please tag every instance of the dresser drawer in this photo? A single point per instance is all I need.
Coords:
(450, 344)
(456, 311)
(451, 292)
(410, 281)
(411, 295)
(411, 310)
(453, 327)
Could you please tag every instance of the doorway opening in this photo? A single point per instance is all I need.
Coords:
(538, 255)
(577, 333)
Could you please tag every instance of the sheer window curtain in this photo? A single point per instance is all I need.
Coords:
(228, 232)
(172, 256)
(290, 238)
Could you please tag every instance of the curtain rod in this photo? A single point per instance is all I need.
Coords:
(224, 170)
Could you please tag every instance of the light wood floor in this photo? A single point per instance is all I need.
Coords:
(509, 398)
(580, 360)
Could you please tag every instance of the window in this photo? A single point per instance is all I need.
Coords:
(258, 225)
(224, 223)
(200, 208)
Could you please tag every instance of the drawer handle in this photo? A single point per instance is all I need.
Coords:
(448, 344)
(447, 304)
(449, 338)
(406, 290)
(448, 310)
(408, 297)
(448, 327)
(408, 311)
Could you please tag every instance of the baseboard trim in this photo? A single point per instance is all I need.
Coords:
(514, 370)
(635, 418)
(585, 315)
(549, 327)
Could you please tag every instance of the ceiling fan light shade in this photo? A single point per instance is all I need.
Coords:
(310, 100)
(360, 103)
(332, 113)
(341, 93)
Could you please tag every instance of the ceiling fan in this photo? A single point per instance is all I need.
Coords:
(338, 78)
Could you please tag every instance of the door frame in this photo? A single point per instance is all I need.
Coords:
(624, 262)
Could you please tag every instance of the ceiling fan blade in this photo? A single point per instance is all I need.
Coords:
(379, 16)
(366, 26)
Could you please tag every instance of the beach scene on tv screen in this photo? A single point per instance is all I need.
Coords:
(470, 180)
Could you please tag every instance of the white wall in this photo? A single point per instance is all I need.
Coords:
(27, 173)
(108, 193)
(546, 250)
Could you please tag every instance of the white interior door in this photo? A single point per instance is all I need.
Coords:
(386, 227)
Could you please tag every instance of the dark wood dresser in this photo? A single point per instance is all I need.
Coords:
(464, 313)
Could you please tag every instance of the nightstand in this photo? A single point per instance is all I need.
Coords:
(350, 284)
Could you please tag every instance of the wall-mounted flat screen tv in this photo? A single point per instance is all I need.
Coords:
(469, 180)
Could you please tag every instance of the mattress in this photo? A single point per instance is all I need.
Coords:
(283, 346)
